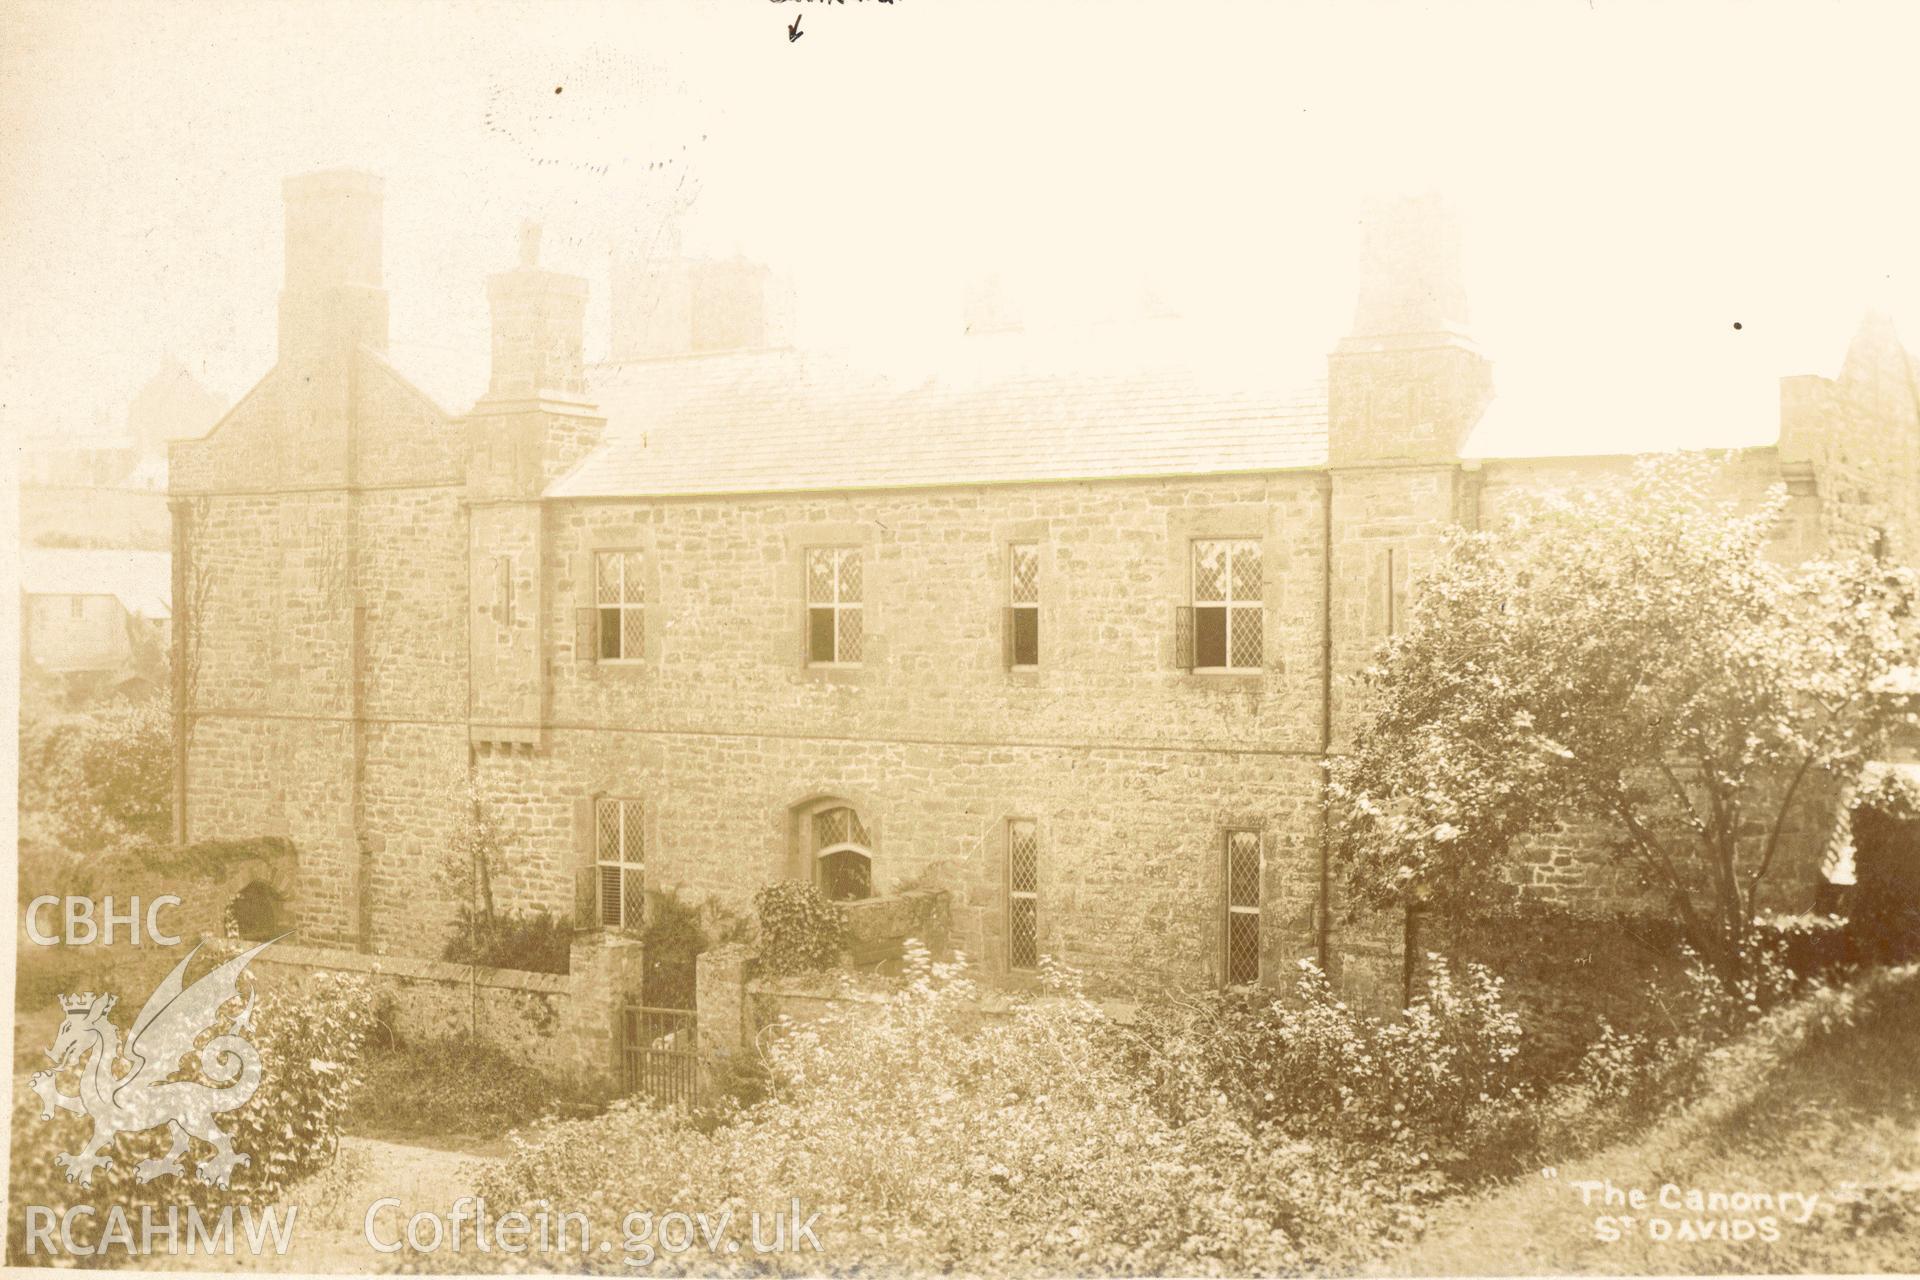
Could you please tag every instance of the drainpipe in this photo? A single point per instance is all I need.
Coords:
(1323, 913)
(183, 618)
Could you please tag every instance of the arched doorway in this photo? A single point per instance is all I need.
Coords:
(1884, 822)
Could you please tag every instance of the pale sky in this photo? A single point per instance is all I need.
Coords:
(1632, 178)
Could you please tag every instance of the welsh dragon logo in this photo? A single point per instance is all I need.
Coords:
(174, 1016)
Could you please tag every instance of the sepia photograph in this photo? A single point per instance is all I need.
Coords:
(913, 638)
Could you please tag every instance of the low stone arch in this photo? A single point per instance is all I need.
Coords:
(259, 893)
(257, 912)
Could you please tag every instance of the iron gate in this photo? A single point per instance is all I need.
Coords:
(660, 1050)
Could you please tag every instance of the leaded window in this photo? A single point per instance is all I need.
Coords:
(1023, 895)
(620, 595)
(843, 854)
(618, 850)
(1228, 611)
(834, 617)
(1023, 605)
(1243, 907)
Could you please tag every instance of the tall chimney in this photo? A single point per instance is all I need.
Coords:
(332, 299)
(1407, 384)
(539, 319)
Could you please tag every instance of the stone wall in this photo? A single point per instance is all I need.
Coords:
(739, 1008)
(330, 683)
(1132, 769)
(564, 1024)
(1860, 434)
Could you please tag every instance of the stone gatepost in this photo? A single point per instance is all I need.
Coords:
(604, 972)
(720, 994)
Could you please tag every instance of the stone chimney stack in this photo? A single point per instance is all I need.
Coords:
(539, 319)
(1407, 385)
(332, 299)
(666, 306)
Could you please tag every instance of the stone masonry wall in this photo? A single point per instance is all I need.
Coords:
(347, 677)
(328, 664)
(1132, 769)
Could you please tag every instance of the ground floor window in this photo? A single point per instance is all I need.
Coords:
(1023, 895)
(1243, 907)
(618, 856)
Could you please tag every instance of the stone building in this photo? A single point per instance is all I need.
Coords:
(1070, 643)
(110, 490)
(95, 620)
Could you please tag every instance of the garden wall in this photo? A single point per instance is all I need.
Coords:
(565, 1024)
(737, 1005)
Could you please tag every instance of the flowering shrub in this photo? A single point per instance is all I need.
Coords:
(310, 1042)
(1638, 658)
(932, 1137)
(800, 931)
(1443, 1076)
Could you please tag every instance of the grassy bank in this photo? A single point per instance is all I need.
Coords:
(1819, 1099)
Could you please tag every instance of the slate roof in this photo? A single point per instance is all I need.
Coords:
(141, 580)
(994, 410)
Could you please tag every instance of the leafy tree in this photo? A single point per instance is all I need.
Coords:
(476, 855)
(99, 778)
(1634, 659)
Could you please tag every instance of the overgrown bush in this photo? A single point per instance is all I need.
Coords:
(1628, 1077)
(457, 1086)
(96, 779)
(1565, 971)
(1442, 1079)
(800, 931)
(536, 941)
(310, 1042)
(933, 1139)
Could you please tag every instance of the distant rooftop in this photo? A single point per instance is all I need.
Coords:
(141, 580)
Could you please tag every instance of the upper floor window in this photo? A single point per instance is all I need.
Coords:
(1228, 607)
(1023, 605)
(1023, 895)
(842, 854)
(76, 608)
(834, 617)
(1243, 907)
(620, 596)
(618, 849)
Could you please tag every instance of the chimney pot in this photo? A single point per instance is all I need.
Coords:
(1406, 384)
(332, 298)
(539, 321)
